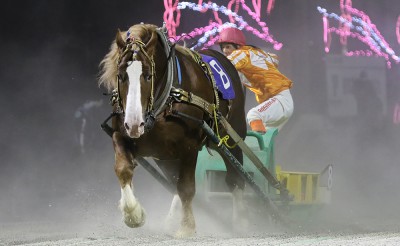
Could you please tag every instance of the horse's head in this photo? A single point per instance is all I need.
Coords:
(134, 71)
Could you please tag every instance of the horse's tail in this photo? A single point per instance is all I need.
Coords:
(108, 68)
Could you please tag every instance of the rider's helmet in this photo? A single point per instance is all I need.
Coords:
(232, 35)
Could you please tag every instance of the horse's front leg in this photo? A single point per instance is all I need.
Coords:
(134, 214)
(186, 190)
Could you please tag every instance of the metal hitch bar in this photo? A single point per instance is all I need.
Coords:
(237, 165)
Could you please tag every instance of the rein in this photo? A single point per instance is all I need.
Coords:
(154, 106)
(169, 93)
(130, 46)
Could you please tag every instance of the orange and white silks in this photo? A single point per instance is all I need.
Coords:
(261, 70)
(269, 85)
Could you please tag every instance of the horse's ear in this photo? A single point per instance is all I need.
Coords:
(152, 41)
(119, 40)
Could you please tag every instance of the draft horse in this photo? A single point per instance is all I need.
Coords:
(151, 78)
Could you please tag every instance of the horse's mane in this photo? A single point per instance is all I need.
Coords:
(108, 66)
(182, 49)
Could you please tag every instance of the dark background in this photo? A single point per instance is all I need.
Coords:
(50, 51)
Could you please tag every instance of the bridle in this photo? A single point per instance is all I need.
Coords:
(135, 46)
(155, 106)
(171, 91)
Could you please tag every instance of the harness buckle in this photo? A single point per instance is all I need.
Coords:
(190, 96)
(176, 94)
(150, 120)
(114, 97)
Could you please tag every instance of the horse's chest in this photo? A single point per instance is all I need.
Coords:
(163, 148)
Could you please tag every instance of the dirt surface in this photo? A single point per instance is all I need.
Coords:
(57, 234)
(79, 207)
(104, 226)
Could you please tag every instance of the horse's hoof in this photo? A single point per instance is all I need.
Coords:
(134, 222)
(185, 233)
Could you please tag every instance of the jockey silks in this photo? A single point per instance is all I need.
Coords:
(261, 70)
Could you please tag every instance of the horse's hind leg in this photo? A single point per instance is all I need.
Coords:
(134, 214)
(186, 191)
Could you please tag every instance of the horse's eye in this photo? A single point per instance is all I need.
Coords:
(147, 77)
(123, 77)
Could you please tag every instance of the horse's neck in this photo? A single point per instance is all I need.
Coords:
(183, 50)
(187, 52)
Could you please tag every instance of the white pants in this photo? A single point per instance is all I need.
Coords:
(274, 112)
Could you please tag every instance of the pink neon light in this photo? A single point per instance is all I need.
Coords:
(234, 6)
(257, 7)
(231, 19)
(375, 42)
(203, 10)
(265, 28)
(217, 17)
(197, 31)
(327, 34)
(361, 38)
(365, 18)
(343, 6)
(171, 23)
(345, 27)
(211, 42)
(270, 6)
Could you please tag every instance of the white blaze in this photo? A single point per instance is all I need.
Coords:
(133, 112)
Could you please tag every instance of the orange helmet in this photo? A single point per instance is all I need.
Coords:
(232, 35)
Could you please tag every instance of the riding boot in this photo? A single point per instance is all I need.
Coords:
(258, 126)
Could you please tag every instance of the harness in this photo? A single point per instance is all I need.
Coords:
(171, 92)
(180, 95)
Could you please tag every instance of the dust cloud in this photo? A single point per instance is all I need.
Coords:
(57, 164)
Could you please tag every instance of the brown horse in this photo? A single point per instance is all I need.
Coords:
(146, 72)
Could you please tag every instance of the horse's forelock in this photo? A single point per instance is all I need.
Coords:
(109, 70)
(142, 31)
(148, 35)
(145, 33)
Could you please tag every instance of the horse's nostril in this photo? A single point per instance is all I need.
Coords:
(142, 124)
(126, 126)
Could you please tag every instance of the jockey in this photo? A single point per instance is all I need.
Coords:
(261, 76)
